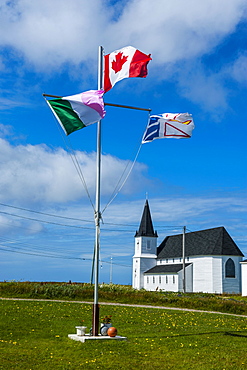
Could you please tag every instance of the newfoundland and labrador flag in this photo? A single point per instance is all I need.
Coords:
(124, 63)
(77, 111)
(169, 125)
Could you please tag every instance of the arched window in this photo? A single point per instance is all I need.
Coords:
(230, 268)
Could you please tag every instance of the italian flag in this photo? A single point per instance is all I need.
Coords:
(124, 63)
(77, 111)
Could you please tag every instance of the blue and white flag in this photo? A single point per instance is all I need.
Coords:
(169, 125)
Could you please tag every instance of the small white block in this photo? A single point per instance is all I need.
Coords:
(83, 338)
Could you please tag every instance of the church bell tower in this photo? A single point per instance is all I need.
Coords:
(145, 248)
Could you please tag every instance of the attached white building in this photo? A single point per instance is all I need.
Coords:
(212, 260)
(244, 277)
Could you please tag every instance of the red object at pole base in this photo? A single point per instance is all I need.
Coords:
(112, 332)
(95, 325)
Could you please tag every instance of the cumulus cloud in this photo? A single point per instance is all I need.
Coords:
(50, 33)
(209, 88)
(37, 174)
(48, 36)
(175, 30)
(202, 87)
(239, 69)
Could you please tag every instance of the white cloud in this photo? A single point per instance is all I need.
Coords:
(175, 30)
(51, 33)
(207, 88)
(239, 69)
(116, 240)
(122, 219)
(6, 130)
(203, 87)
(181, 210)
(8, 103)
(37, 174)
(11, 225)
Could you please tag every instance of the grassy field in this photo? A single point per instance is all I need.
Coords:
(34, 334)
(124, 294)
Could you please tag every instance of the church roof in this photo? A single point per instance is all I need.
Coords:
(216, 242)
(146, 225)
(162, 269)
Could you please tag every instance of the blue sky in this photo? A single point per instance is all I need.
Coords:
(199, 65)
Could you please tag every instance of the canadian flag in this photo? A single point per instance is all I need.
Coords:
(124, 63)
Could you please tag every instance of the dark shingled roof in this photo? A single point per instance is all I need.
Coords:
(146, 225)
(173, 268)
(210, 242)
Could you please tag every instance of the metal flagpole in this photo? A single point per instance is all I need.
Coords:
(184, 281)
(95, 326)
(111, 271)
(92, 272)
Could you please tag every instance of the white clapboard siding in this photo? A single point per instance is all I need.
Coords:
(140, 265)
(232, 285)
(202, 274)
(217, 269)
(244, 278)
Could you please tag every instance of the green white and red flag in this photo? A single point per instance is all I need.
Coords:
(77, 111)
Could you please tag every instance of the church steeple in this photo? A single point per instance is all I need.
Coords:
(146, 225)
(145, 248)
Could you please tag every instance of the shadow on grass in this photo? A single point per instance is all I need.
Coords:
(233, 334)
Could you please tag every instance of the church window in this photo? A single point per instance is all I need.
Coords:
(148, 244)
(173, 260)
(230, 268)
(166, 279)
(159, 279)
(147, 279)
(167, 260)
(154, 279)
(188, 258)
(173, 279)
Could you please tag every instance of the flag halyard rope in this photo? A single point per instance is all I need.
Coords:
(117, 189)
(71, 151)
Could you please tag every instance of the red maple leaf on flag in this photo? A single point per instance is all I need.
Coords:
(119, 61)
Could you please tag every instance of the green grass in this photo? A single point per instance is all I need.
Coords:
(125, 294)
(34, 335)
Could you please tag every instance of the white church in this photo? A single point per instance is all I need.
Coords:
(213, 261)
